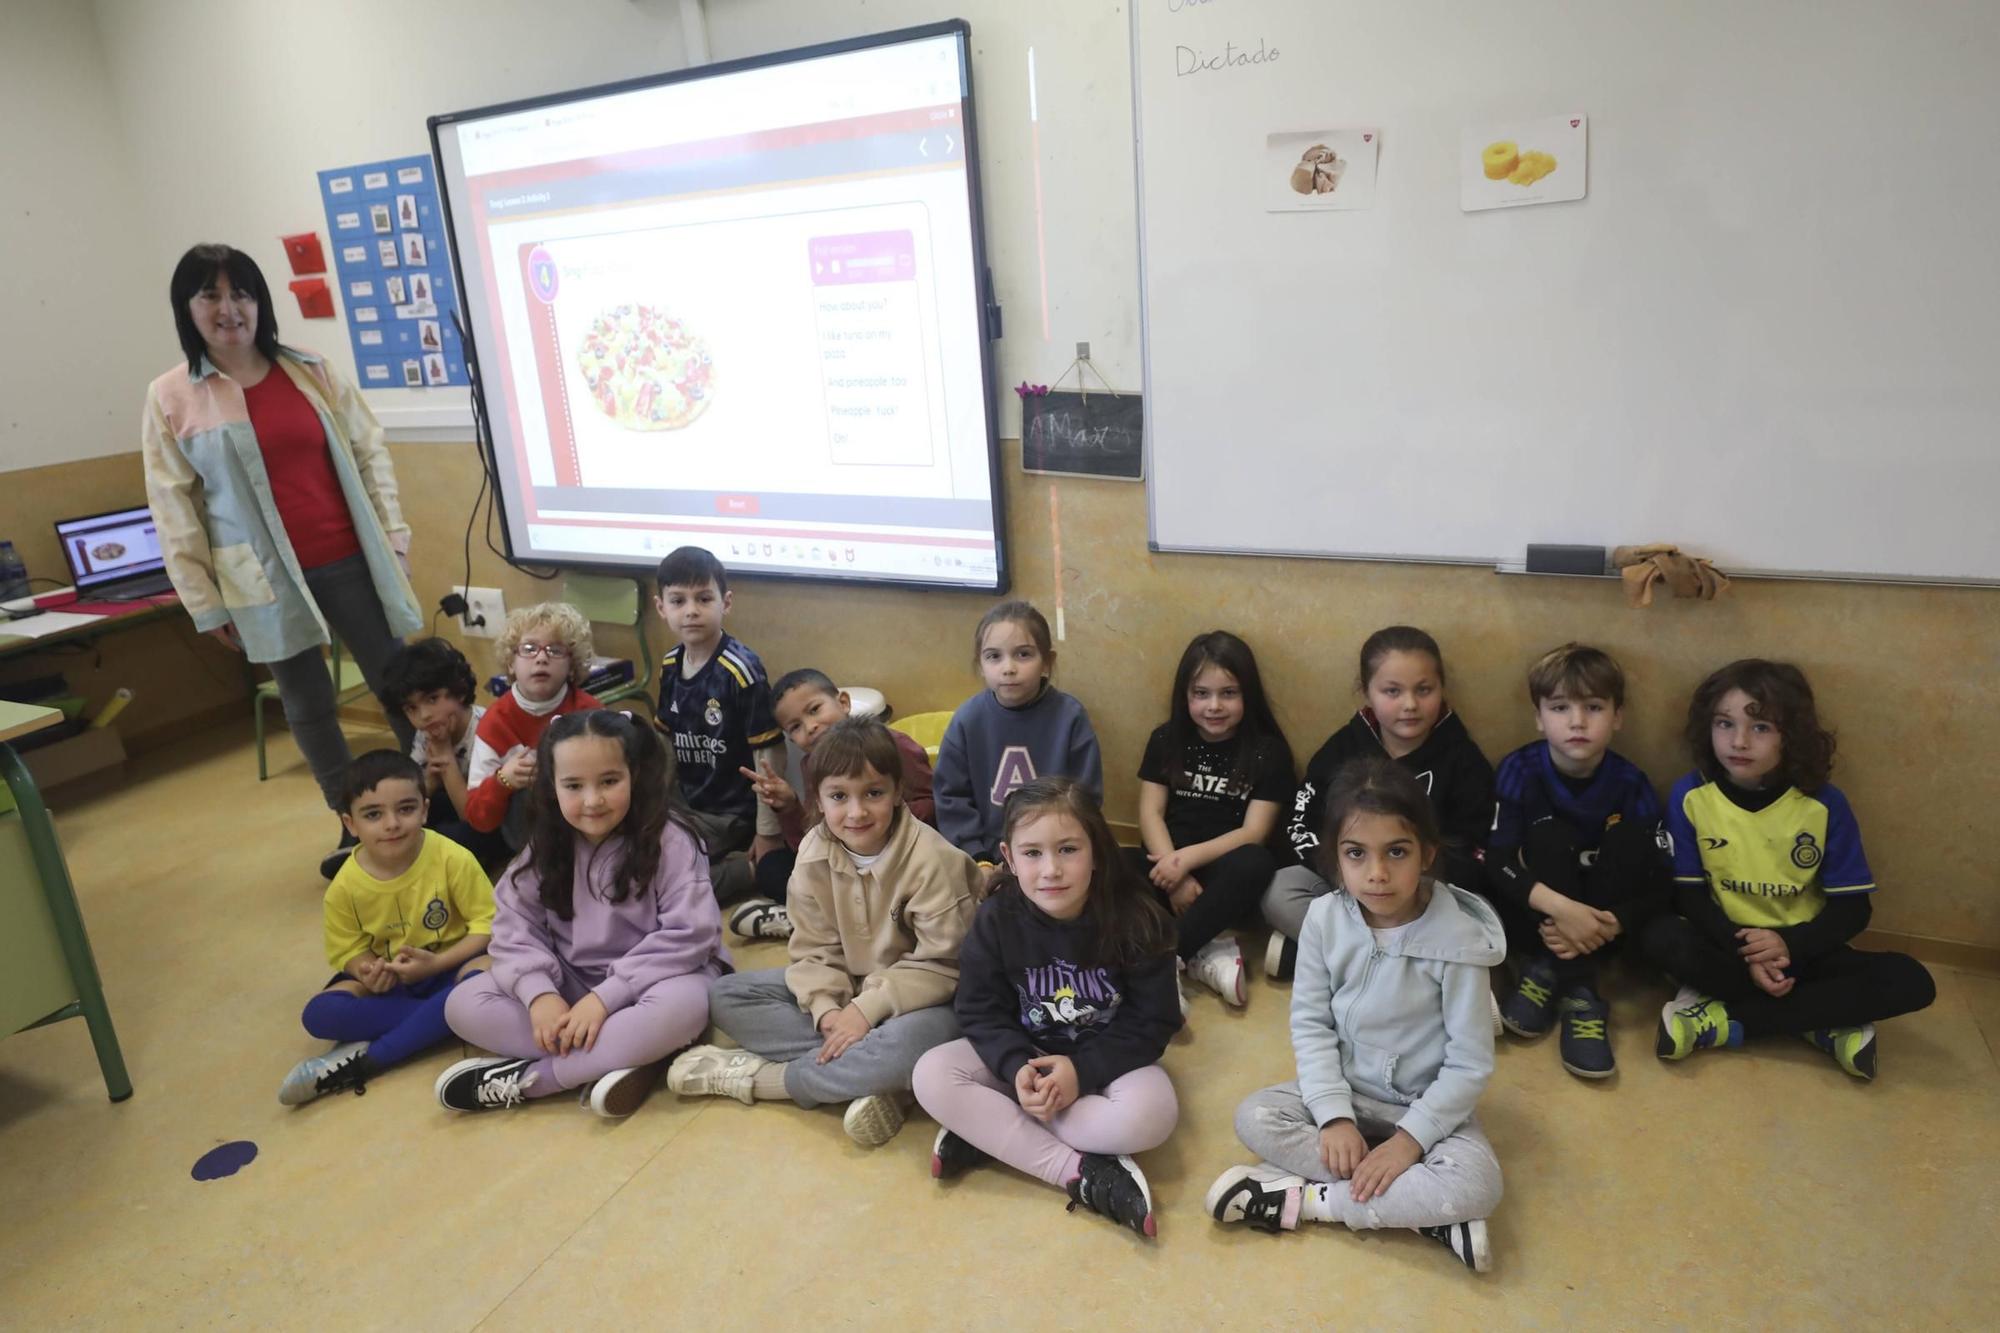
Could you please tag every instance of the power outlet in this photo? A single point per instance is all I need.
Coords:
(485, 611)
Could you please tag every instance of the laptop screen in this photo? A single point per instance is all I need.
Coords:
(108, 548)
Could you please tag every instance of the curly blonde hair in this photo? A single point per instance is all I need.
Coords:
(563, 621)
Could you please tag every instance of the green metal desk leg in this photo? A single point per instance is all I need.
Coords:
(61, 895)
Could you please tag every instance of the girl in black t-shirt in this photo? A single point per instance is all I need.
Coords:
(1212, 786)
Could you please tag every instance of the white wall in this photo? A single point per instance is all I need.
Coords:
(205, 120)
(73, 361)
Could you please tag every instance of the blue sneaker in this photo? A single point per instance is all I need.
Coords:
(1531, 1010)
(1586, 1045)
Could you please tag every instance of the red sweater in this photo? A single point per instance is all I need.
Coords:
(296, 458)
(916, 790)
(506, 725)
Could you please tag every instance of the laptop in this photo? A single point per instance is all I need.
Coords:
(114, 557)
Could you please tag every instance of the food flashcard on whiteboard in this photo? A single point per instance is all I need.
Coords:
(1508, 163)
(1305, 171)
(389, 247)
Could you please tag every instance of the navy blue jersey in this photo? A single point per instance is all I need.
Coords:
(1531, 789)
(717, 717)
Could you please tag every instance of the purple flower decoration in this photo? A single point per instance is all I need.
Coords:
(1027, 390)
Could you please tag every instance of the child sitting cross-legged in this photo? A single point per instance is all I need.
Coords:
(807, 704)
(1394, 1039)
(1066, 995)
(405, 919)
(879, 902)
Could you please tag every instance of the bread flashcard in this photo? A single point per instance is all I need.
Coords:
(1313, 170)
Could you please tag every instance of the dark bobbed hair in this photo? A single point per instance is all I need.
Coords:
(691, 567)
(656, 802)
(366, 772)
(1578, 671)
(1259, 731)
(1375, 785)
(1128, 921)
(852, 744)
(197, 270)
(1397, 639)
(1020, 613)
(804, 678)
(1779, 694)
(421, 667)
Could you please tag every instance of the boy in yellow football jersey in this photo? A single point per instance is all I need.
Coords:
(406, 919)
(1771, 883)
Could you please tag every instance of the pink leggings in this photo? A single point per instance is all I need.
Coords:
(667, 1016)
(1133, 1113)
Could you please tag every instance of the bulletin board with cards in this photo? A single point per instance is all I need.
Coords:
(394, 273)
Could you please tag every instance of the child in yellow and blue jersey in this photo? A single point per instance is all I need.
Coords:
(1771, 883)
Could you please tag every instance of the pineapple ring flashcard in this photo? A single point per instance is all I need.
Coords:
(1504, 164)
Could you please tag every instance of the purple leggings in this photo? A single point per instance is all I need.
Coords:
(1133, 1113)
(667, 1016)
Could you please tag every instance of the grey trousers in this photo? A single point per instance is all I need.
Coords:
(1458, 1180)
(759, 1010)
(1292, 893)
(346, 597)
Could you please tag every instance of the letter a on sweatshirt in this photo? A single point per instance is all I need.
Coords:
(1016, 767)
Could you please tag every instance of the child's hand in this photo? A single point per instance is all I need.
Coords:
(1557, 945)
(580, 1026)
(763, 845)
(1341, 1147)
(771, 789)
(987, 874)
(410, 966)
(436, 762)
(545, 1016)
(1055, 1085)
(1181, 896)
(841, 1027)
(1585, 927)
(1764, 946)
(1028, 1090)
(1379, 1169)
(519, 770)
(1771, 979)
(1168, 870)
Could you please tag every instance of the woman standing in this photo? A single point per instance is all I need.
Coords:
(275, 502)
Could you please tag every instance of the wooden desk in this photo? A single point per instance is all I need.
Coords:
(128, 615)
(47, 972)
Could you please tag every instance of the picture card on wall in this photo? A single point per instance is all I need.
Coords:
(1310, 171)
(1508, 163)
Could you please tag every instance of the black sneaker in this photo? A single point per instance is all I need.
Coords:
(1257, 1196)
(1467, 1240)
(952, 1155)
(485, 1083)
(1531, 1010)
(1114, 1187)
(330, 864)
(1586, 1042)
(1281, 956)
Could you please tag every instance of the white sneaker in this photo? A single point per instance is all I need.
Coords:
(712, 1071)
(318, 1075)
(1218, 965)
(761, 919)
(873, 1121)
(622, 1091)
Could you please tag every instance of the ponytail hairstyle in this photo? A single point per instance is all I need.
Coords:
(656, 802)
(1398, 639)
(1376, 785)
(1128, 922)
(1259, 729)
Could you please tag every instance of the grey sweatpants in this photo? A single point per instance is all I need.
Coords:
(1458, 1180)
(345, 593)
(759, 1010)
(1291, 895)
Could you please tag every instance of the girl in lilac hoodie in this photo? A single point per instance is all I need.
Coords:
(606, 933)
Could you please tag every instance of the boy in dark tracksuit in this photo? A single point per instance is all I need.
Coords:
(1576, 860)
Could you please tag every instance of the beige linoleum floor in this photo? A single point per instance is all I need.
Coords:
(1741, 1189)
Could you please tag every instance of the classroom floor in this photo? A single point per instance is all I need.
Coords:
(1741, 1189)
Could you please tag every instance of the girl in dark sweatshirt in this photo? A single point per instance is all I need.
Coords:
(1407, 719)
(1067, 1000)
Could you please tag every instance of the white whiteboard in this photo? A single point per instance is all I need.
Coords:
(1771, 332)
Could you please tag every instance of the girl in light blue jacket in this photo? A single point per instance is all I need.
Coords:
(1394, 1038)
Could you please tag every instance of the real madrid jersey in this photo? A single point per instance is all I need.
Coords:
(717, 717)
(1772, 866)
(443, 897)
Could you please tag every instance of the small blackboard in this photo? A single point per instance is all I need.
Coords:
(1083, 435)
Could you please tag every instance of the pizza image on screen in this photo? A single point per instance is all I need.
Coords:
(645, 370)
(107, 551)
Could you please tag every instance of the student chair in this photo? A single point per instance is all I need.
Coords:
(926, 729)
(348, 686)
(605, 600)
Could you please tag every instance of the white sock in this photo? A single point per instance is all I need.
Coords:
(1314, 1205)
